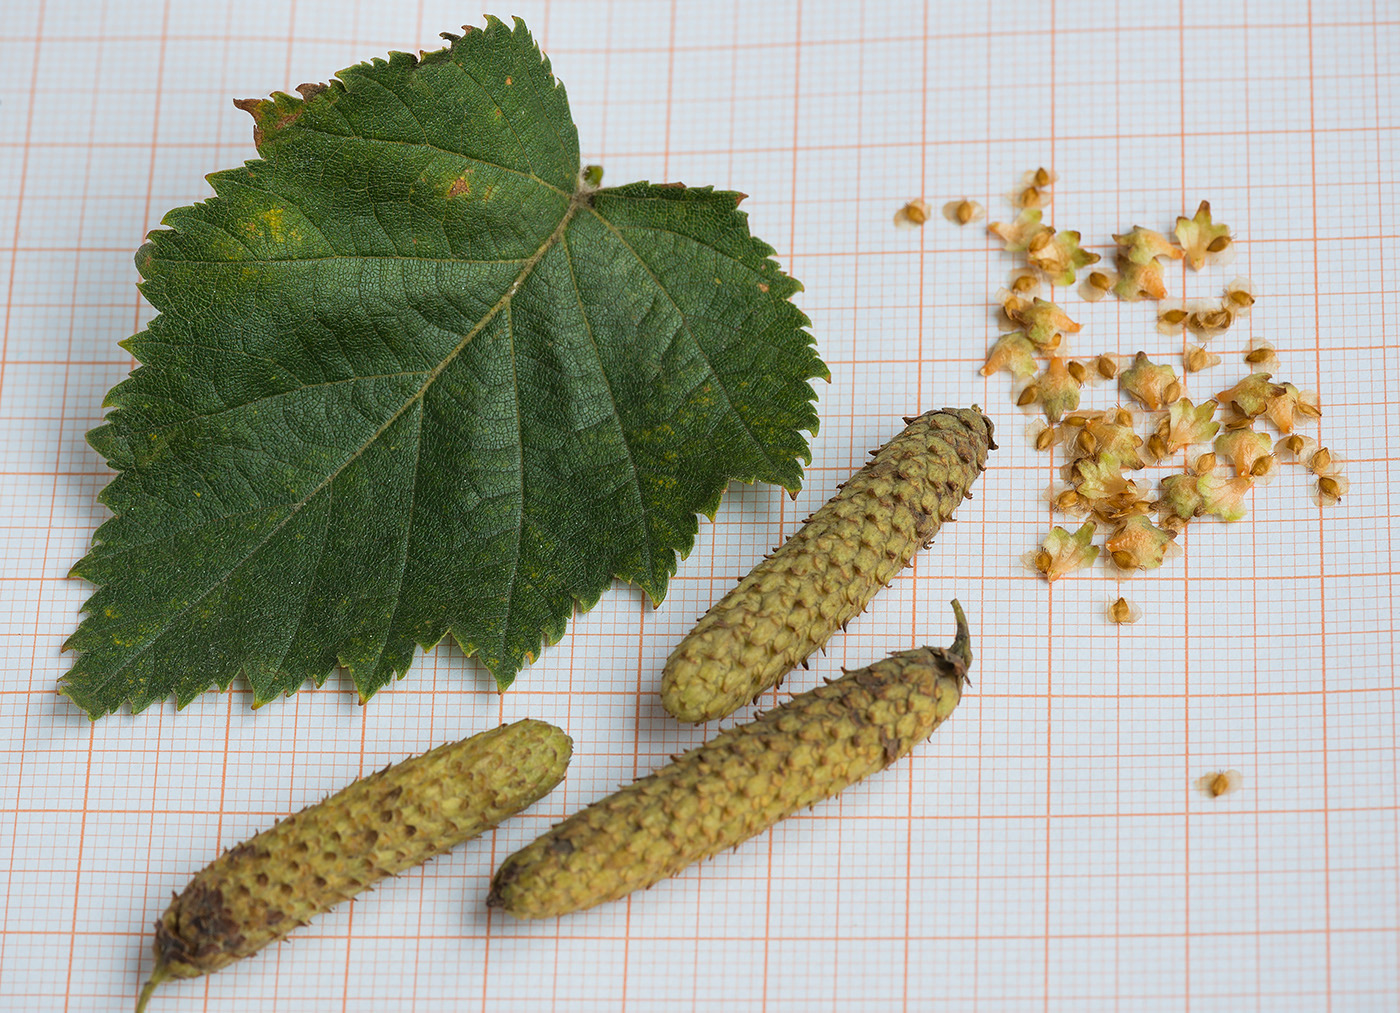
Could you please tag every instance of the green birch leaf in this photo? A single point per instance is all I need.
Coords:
(415, 374)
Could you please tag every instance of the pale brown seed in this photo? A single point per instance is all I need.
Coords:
(1029, 198)
(1106, 367)
(1123, 417)
(1086, 442)
(1043, 561)
(1218, 244)
(965, 210)
(1067, 500)
(1329, 487)
(1156, 446)
(1204, 464)
(1320, 461)
(1258, 355)
(1262, 466)
(1240, 297)
(1028, 396)
(916, 212)
(1217, 783)
(1042, 177)
(1310, 410)
(1172, 393)
(1045, 439)
(1122, 560)
(1024, 283)
(1076, 369)
(1172, 317)
(1121, 612)
(1100, 281)
(1292, 444)
(1040, 242)
(1075, 421)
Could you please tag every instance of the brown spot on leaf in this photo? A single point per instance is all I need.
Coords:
(459, 186)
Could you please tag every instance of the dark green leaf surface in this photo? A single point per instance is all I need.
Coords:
(411, 377)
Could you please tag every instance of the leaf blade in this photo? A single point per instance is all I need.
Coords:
(391, 398)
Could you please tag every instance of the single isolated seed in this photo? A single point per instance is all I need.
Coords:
(962, 211)
(1106, 367)
(790, 604)
(738, 784)
(1045, 439)
(257, 892)
(1100, 281)
(1219, 782)
(1076, 369)
(1123, 612)
(1027, 396)
(913, 214)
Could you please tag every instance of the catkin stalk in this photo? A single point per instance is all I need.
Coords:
(790, 604)
(257, 892)
(738, 784)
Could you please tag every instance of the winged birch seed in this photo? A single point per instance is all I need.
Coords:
(1028, 395)
(1331, 488)
(1030, 197)
(1077, 370)
(1123, 612)
(1197, 358)
(257, 892)
(1171, 317)
(1106, 367)
(912, 215)
(790, 604)
(1217, 783)
(1025, 282)
(1239, 295)
(1095, 286)
(738, 784)
(963, 211)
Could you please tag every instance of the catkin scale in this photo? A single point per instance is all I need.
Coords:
(790, 604)
(257, 892)
(738, 784)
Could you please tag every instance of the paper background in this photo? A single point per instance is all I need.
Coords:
(1044, 850)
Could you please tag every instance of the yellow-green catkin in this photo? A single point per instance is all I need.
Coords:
(738, 784)
(790, 604)
(257, 892)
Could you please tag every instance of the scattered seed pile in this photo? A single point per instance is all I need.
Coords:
(1219, 448)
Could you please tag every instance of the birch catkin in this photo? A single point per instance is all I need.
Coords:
(257, 892)
(790, 604)
(738, 784)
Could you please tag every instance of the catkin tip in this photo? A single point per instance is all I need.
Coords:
(962, 642)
